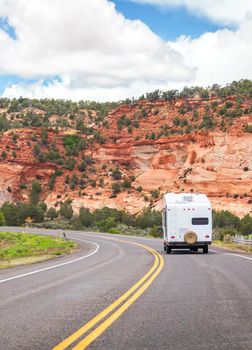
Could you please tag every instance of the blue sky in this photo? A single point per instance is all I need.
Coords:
(6, 80)
(4, 24)
(169, 24)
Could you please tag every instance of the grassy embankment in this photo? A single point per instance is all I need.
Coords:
(23, 248)
(233, 246)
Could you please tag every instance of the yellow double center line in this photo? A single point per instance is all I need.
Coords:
(125, 301)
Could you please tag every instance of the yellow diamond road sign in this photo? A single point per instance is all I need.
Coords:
(28, 220)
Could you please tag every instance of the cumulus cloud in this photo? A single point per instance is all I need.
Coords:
(96, 53)
(219, 11)
(220, 57)
(88, 41)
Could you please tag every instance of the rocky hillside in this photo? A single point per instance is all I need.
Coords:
(128, 155)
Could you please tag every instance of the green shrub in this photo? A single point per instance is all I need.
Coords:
(184, 122)
(106, 224)
(85, 217)
(182, 110)
(126, 184)
(36, 150)
(73, 144)
(4, 154)
(155, 194)
(69, 164)
(225, 218)
(82, 166)
(52, 213)
(51, 182)
(229, 104)
(248, 128)
(44, 136)
(2, 219)
(148, 218)
(35, 212)
(116, 187)
(67, 179)
(222, 111)
(220, 233)
(43, 206)
(74, 181)
(156, 231)
(176, 121)
(143, 113)
(35, 192)
(66, 210)
(246, 225)
(10, 214)
(114, 231)
(116, 174)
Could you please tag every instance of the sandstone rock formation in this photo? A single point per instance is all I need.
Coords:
(216, 162)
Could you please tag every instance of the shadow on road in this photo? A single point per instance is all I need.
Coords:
(186, 252)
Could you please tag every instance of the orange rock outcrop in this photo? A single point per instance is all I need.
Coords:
(218, 163)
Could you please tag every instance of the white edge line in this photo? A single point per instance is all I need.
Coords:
(117, 235)
(55, 266)
(233, 254)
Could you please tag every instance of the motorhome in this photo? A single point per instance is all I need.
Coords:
(186, 221)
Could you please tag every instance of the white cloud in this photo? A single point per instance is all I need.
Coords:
(98, 54)
(220, 11)
(88, 41)
(220, 57)
(63, 90)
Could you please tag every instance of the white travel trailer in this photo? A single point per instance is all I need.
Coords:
(187, 221)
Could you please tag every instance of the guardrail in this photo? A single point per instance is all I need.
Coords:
(242, 240)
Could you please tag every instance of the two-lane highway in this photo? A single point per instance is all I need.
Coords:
(112, 294)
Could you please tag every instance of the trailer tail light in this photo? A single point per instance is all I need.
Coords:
(207, 236)
(173, 236)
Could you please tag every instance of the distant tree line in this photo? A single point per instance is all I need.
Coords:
(242, 87)
(107, 219)
(231, 224)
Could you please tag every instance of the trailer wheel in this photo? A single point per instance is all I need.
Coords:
(165, 247)
(190, 237)
(205, 249)
(168, 250)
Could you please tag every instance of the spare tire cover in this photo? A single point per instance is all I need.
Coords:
(190, 237)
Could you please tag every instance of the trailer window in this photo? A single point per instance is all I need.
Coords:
(200, 221)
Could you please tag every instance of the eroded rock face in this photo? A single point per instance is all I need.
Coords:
(209, 163)
(216, 163)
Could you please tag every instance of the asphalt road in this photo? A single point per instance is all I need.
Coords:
(197, 301)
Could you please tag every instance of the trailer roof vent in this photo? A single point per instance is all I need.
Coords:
(187, 198)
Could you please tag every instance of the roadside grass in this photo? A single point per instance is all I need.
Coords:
(233, 246)
(23, 248)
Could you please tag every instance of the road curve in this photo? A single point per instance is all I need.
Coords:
(197, 301)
